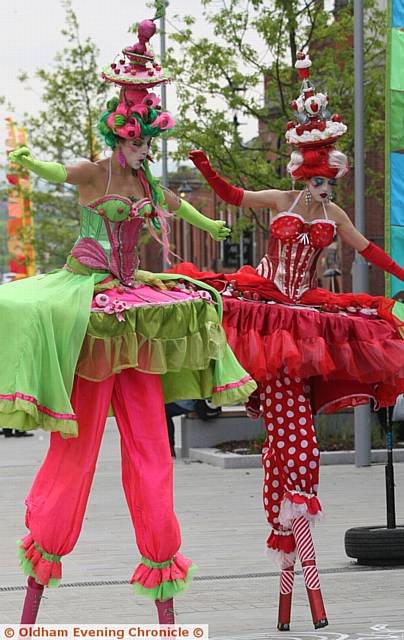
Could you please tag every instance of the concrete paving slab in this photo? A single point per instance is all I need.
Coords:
(230, 460)
(224, 531)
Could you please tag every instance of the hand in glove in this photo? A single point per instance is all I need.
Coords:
(225, 191)
(51, 171)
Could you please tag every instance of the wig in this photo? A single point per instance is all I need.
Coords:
(321, 161)
(141, 120)
(131, 119)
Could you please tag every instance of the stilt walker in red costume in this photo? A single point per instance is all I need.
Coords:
(309, 349)
(100, 333)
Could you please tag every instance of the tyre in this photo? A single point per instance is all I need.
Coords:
(375, 545)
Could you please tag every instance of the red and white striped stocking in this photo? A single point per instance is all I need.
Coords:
(307, 556)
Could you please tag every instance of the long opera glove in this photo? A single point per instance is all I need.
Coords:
(225, 191)
(380, 259)
(216, 228)
(51, 171)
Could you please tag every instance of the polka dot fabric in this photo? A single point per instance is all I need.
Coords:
(290, 457)
(290, 227)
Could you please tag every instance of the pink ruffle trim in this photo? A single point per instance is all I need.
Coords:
(298, 504)
(150, 578)
(43, 569)
(23, 396)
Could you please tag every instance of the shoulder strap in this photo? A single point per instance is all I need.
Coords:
(109, 175)
(325, 211)
(294, 203)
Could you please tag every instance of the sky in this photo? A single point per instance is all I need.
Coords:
(31, 36)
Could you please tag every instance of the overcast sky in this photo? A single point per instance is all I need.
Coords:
(31, 35)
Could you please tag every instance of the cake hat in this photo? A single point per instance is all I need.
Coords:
(137, 112)
(316, 126)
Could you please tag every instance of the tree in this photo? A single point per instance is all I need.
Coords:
(72, 96)
(232, 71)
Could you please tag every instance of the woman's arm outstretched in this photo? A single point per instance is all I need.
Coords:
(81, 173)
(371, 252)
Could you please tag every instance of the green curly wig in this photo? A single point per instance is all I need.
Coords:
(110, 138)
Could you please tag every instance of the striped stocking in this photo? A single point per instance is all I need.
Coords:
(307, 556)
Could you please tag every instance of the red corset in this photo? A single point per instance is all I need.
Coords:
(291, 227)
(293, 251)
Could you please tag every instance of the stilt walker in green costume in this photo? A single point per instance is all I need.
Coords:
(100, 332)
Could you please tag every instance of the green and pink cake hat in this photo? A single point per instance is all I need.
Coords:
(136, 113)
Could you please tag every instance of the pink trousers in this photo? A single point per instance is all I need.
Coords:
(58, 498)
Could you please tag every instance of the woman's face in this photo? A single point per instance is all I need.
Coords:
(321, 188)
(135, 151)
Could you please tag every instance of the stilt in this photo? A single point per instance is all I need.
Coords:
(32, 601)
(285, 597)
(165, 611)
(314, 594)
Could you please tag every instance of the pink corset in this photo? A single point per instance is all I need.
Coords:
(294, 248)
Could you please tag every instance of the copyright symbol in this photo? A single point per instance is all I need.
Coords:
(8, 632)
(198, 632)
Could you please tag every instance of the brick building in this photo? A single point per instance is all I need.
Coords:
(188, 242)
(196, 246)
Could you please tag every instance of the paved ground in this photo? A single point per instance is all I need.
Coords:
(224, 531)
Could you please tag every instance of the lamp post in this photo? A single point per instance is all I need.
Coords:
(164, 151)
(184, 190)
(164, 156)
(360, 268)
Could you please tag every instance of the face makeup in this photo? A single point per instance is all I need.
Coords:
(321, 188)
(136, 151)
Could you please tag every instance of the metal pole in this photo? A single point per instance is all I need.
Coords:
(164, 159)
(389, 472)
(164, 152)
(360, 271)
(241, 241)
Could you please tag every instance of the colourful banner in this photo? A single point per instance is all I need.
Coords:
(20, 227)
(394, 210)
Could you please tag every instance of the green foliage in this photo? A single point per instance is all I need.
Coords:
(230, 70)
(72, 96)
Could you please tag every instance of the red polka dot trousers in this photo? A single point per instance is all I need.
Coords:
(291, 460)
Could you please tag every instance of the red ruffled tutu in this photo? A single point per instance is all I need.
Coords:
(348, 358)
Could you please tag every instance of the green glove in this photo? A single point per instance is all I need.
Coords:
(216, 228)
(51, 171)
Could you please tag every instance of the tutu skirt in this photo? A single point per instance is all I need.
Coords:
(349, 345)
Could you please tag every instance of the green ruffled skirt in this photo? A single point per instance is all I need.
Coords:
(50, 331)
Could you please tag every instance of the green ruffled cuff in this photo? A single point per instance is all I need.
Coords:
(163, 580)
(167, 589)
(44, 567)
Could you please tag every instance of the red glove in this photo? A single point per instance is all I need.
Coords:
(253, 406)
(378, 257)
(225, 191)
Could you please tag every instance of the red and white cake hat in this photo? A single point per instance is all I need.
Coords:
(316, 127)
